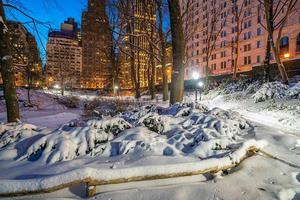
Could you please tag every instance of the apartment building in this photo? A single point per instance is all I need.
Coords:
(213, 25)
(64, 57)
(25, 54)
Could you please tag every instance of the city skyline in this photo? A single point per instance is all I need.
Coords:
(53, 12)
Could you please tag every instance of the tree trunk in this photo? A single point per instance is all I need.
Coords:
(8, 71)
(177, 84)
(163, 52)
(280, 65)
(267, 62)
(268, 5)
(152, 79)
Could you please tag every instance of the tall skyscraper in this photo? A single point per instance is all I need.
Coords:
(253, 38)
(64, 56)
(96, 38)
(140, 16)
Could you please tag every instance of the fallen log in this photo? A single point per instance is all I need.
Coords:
(96, 177)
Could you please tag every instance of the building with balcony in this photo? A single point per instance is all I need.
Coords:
(253, 38)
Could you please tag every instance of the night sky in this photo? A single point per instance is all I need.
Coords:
(53, 12)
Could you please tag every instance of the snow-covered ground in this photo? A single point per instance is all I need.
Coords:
(46, 110)
(154, 139)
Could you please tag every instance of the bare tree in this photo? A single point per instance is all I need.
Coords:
(213, 27)
(238, 9)
(163, 53)
(178, 42)
(277, 14)
(7, 70)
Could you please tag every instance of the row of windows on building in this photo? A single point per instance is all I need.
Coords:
(283, 47)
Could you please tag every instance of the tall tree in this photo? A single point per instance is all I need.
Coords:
(277, 14)
(177, 83)
(213, 26)
(7, 70)
(163, 53)
(239, 14)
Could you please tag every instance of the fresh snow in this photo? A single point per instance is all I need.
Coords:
(156, 139)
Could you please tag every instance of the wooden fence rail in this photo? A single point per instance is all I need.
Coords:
(92, 183)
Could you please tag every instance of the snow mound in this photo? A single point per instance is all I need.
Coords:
(294, 91)
(10, 133)
(114, 125)
(68, 143)
(180, 130)
(155, 122)
(272, 90)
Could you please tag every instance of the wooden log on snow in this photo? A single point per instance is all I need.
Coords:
(92, 183)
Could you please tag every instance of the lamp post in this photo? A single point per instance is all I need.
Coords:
(196, 77)
(200, 85)
(116, 90)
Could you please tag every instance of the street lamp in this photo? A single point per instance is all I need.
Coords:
(196, 77)
(116, 88)
(286, 55)
(56, 86)
(200, 85)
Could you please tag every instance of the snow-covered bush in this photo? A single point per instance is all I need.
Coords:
(69, 143)
(294, 92)
(113, 125)
(66, 145)
(155, 122)
(272, 90)
(13, 132)
(236, 86)
(253, 87)
(69, 101)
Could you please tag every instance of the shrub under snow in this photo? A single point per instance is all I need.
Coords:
(294, 91)
(13, 132)
(272, 90)
(182, 129)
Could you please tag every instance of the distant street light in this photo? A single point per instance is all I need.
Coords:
(116, 90)
(200, 84)
(56, 86)
(286, 55)
(196, 75)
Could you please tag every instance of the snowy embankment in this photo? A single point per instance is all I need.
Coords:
(47, 110)
(153, 141)
(272, 104)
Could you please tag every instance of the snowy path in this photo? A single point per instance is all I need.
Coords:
(47, 118)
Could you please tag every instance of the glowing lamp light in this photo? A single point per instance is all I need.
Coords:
(56, 86)
(116, 87)
(200, 84)
(286, 55)
(195, 75)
